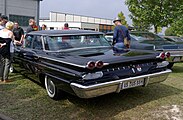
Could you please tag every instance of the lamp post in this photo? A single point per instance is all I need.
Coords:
(38, 11)
(4, 7)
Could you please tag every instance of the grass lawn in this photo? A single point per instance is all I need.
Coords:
(25, 100)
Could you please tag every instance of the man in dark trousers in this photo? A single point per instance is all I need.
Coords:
(18, 32)
(120, 33)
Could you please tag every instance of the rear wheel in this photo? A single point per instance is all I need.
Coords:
(170, 65)
(51, 88)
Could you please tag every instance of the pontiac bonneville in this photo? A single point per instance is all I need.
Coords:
(84, 64)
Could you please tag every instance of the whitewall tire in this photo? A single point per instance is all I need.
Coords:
(51, 89)
(11, 70)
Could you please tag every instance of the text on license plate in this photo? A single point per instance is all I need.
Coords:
(131, 84)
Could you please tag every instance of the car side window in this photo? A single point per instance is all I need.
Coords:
(37, 43)
(28, 41)
(45, 43)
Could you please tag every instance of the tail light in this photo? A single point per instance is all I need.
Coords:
(167, 54)
(162, 55)
(90, 65)
(99, 64)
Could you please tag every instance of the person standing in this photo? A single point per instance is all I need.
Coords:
(1, 25)
(32, 26)
(66, 26)
(3, 21)
(43, 27)
(18, 32)
(6, 36)
(120, 34)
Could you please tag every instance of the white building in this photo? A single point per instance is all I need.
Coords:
(57, 20)
(20, 10)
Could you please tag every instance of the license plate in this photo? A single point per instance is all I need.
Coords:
(131, 84)
(176, 59)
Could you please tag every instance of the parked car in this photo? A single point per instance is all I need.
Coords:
(174, 39)
(150, 41)
(109, 37)
(83, 63)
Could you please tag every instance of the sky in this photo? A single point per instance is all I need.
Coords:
(95, 8)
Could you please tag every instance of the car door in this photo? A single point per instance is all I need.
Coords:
(33, 54)
(21, 61)
(27, 56)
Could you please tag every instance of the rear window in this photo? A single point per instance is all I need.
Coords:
(145, 36)
(55, 43)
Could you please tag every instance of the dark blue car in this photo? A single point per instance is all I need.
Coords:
(150, 41)
(83, 63)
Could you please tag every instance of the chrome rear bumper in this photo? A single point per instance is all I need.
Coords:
(116, 86)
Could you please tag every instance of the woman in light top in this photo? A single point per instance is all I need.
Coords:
(6, 37)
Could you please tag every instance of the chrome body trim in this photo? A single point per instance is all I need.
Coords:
(116, 85)
(68, 63)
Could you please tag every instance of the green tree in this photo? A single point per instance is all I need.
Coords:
(141, 25)
(156, 13)
(170, 32)
(123, 19)
(159, 29)
(177, 25)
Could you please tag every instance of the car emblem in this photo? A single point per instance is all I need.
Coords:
(139, 68)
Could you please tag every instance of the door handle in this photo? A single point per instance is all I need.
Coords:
(36, 57)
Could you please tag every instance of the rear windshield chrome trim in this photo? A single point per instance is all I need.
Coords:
(82, 66)
(73, 49)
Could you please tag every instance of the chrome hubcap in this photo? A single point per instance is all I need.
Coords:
(51, 86)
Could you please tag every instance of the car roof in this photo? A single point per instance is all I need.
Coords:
(65, 32)
(171, 36)
(109, 33)
(140, 32)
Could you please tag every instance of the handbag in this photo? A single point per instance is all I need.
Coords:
(126, 42)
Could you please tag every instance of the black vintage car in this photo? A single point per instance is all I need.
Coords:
(149, 41)
(83, 63)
